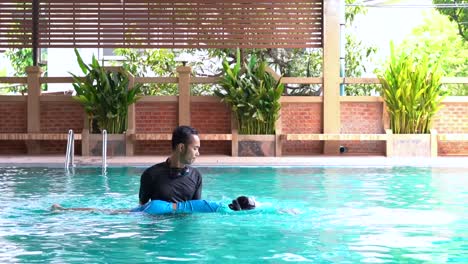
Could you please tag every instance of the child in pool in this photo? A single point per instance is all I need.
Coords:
(158, 207)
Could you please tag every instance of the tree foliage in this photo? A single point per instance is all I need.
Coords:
(19, 59)
(3, 87)
(151, 62)
(438, 39)
(287, 62)
(357, 53)
(459, 15)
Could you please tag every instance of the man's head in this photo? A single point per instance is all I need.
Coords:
(186, 143)
(242, 203)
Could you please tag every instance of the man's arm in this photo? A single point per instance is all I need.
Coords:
(145, 188)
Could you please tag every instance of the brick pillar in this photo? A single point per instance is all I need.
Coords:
(34, 113)
(184, 94)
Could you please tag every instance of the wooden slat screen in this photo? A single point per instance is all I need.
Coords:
(180, 24)
(15, 24)
(167, 24)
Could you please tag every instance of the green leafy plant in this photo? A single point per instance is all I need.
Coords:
(104, 95)
(253, 95)
(412, 92)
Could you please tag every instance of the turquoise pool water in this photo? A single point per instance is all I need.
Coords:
(309, 214)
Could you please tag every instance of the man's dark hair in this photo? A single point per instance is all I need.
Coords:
(182, 134)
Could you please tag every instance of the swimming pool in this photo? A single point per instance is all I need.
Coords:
(307, 214)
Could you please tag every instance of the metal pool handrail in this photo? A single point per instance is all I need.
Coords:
(70, 152)
(104, 150)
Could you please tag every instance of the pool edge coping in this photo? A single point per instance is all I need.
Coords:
(208, 161)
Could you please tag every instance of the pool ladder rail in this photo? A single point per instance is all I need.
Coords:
(70, 152)
(104, 150)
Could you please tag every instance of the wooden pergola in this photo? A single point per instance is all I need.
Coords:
(162, 23)
(181, 24)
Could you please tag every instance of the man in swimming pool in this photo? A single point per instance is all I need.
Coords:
(158, 207)
(174, 180)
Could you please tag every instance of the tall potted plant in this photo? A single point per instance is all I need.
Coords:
(412, 93)
(105, 96)
(254, 98)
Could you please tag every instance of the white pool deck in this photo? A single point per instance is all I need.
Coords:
(219, 160)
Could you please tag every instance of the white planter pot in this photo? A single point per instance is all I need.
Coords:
(411, 145)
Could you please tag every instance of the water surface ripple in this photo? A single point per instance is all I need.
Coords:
(305, 214)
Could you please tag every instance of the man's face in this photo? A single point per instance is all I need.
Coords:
(190, 151)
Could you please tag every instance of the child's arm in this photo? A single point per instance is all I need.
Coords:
(198, 206)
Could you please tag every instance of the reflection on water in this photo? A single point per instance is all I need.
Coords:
(318, 215)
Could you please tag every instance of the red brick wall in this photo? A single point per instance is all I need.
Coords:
(212, 118)
(59, 117)
(13, 117)
(452, 118)
(209, 147)
(161, 117)
(13, 120)
(365, 118)
(155, 117)
(301, 118)
(151, 147)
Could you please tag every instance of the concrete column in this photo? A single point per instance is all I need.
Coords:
(235, 138)
(434, 142)
(85, 137)
(184, 94)
(331, 73)
(278, 142)
(385, 116)
(129, 140)
(389, 143)
(34, 113)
